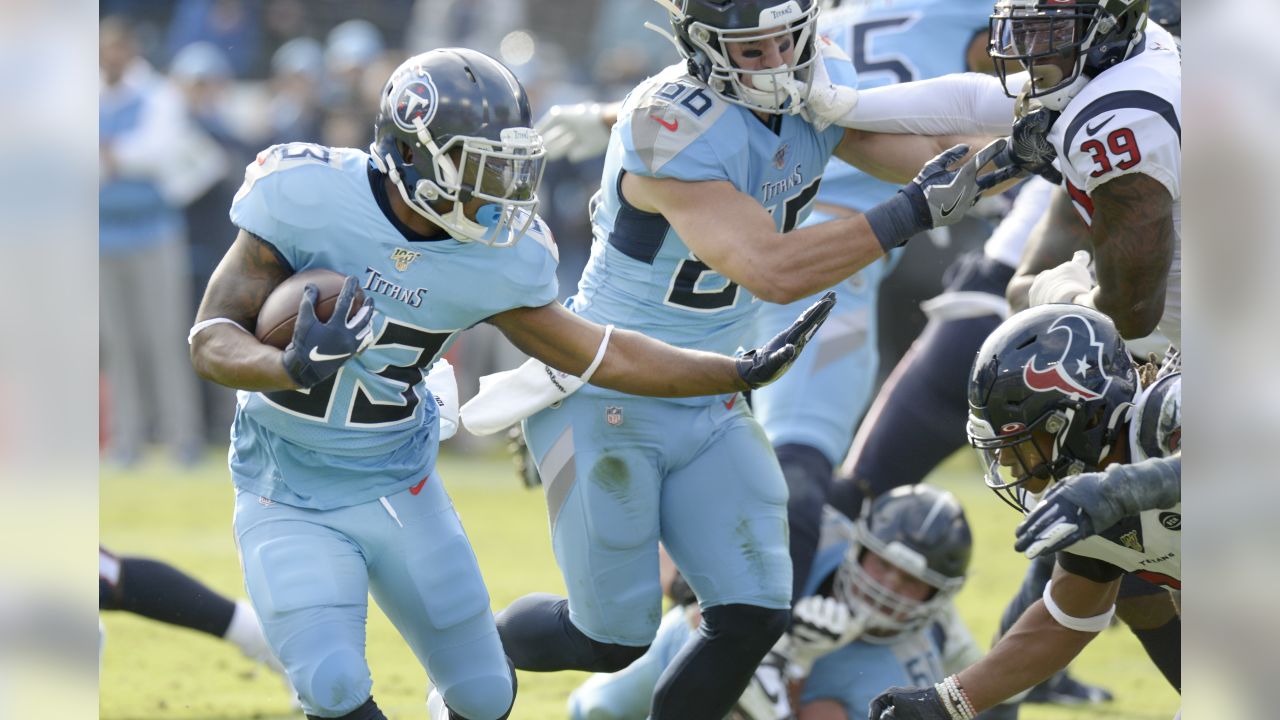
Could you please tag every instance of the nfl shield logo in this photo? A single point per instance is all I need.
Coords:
(613, 415)
(780, 157)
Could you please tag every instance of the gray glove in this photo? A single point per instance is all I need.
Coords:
(937, 197)
(1029, 148)
(1085, 505)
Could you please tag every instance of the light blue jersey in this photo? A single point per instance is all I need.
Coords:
(819, 401)
(370, 430)
(641, 274)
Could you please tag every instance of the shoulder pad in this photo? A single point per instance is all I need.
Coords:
(288, 185)
(672, 113)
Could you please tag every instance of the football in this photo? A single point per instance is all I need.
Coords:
(280, 311)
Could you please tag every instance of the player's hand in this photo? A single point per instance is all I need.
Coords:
(767, 363)
(820, 625)
(902, 703)
(574, 131)
(1064, 283)
(1029, 148)
(940, 195)
(1074, 509)
(318, 349)
(828, 103)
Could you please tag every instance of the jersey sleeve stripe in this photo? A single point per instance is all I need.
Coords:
(1139, 99)
(636, 233)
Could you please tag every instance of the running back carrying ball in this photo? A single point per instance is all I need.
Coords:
(280, 311)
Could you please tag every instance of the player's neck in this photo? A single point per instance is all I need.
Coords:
(408, 216)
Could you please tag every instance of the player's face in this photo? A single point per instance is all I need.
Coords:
(1027, 457)
(900, 582)
(1047, 40)
(761, 53)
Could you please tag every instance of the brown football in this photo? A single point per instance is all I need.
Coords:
(280, 311)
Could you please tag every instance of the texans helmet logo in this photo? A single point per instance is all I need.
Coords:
(1080, 361)
(417, 101)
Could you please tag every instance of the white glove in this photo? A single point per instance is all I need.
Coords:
(828, 103)
(1063, 284)
(820, 625)
(444, 386)
(574, 131)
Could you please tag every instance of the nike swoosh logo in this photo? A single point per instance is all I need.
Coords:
(728, 404)
(316, 356)
(672, 126)
(948, 210)
(1091, 129)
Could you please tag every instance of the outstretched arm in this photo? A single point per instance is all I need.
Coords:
(639, 365)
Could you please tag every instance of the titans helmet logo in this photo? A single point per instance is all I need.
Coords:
(1079, 361)
(417, 100)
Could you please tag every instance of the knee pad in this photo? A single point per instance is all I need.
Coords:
(752, 628)
(335, 685)
(483, 698)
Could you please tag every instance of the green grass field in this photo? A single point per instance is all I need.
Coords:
(152, 671)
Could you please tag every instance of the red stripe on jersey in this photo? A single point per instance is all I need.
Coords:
(1081, 200)
(1160, 579)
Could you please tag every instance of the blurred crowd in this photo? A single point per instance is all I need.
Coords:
(193, 89)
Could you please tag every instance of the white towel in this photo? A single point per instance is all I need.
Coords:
(444, 386)
(510, 396)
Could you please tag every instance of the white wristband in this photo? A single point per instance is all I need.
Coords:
(604, 344)
(203, 324)
(1094, 624)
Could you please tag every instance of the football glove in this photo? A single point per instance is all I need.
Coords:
(820, 625)
(318, 349)
(937, 197)
(767, 363)
(1085, 505)
(577, 132)
(1029, 148)
(902, 703)
(1064, 283)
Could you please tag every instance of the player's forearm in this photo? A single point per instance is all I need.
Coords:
(1034, 649)
(957, 104)
(1152, 484)
(639, 365)
(232, 357)
(788, 267)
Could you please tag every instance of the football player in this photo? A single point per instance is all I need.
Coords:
(710, 169)
(1053, 393)
(870, 614)
(1100, 99)
(335, 437)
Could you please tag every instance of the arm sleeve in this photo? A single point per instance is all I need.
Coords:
(1149, 485)
(957, 104)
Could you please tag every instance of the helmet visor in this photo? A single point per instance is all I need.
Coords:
(1045, 39)
(508, 171)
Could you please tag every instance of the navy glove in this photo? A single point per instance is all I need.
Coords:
(318, 349)
(767, 363)
(1029, 149)
(937, 197)
(903, 703)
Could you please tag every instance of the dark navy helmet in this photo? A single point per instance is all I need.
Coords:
(454, 125)
(921, 530)
(1050, 388)
(704, 30)
(1089, 36)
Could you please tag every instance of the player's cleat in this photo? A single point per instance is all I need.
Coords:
(1062, 689)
